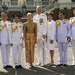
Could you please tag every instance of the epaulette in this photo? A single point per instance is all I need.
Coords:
(20, 22)
(71, 18)
(58, 23)
(43, 14)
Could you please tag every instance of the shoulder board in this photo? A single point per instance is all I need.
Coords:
(71, 17)
(43, 14)
(20, 22)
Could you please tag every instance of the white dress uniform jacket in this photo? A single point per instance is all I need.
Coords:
(17, 33)
(51, 31)
(5, 34)
(41, 21)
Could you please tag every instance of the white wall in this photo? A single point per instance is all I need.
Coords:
(63, 1)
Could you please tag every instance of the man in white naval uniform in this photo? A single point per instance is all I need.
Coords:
(41, 20)
(5, 40)
(17, 35)
(72, 23)
(63, 33)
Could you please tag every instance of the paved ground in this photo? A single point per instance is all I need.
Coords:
(43, 70)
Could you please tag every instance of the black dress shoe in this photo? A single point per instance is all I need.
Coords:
(9, 66)
(17, 67)
(5, 67)
(60, 65)
(20, 66)
(65, 65)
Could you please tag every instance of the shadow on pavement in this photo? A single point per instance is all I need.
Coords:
(9, 72)
(36, 71)
(44, 70)
(2, 73)
(61, 70)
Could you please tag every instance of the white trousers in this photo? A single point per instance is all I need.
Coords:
(5, 51)
(17, 50)
(41, 52)
(62, 46)
(73, 49)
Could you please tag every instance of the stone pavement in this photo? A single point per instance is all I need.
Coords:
(43, 70)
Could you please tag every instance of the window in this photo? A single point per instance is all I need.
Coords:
(29, 2)
(45, 2)
(14, 2)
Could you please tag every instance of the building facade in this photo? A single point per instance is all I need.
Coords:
(24, 6)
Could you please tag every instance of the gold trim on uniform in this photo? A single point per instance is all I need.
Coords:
(43, 14)
(58, 23)
(15, 28)
(2, 27)
(71, 21)
(41, 21)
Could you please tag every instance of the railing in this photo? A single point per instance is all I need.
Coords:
(28, 3)
(48, 8)
(14, 3)
(39, 2)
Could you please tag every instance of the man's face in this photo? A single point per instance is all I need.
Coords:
(39, 10)
(4, 16)
(16, 19)
(61, 16)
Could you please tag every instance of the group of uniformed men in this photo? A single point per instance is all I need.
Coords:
(37, 30)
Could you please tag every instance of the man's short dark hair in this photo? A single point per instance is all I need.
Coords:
(16, 15)
(61, 12)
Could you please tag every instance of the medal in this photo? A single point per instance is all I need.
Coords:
(41, 21)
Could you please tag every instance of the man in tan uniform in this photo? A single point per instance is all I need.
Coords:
(30, 36)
